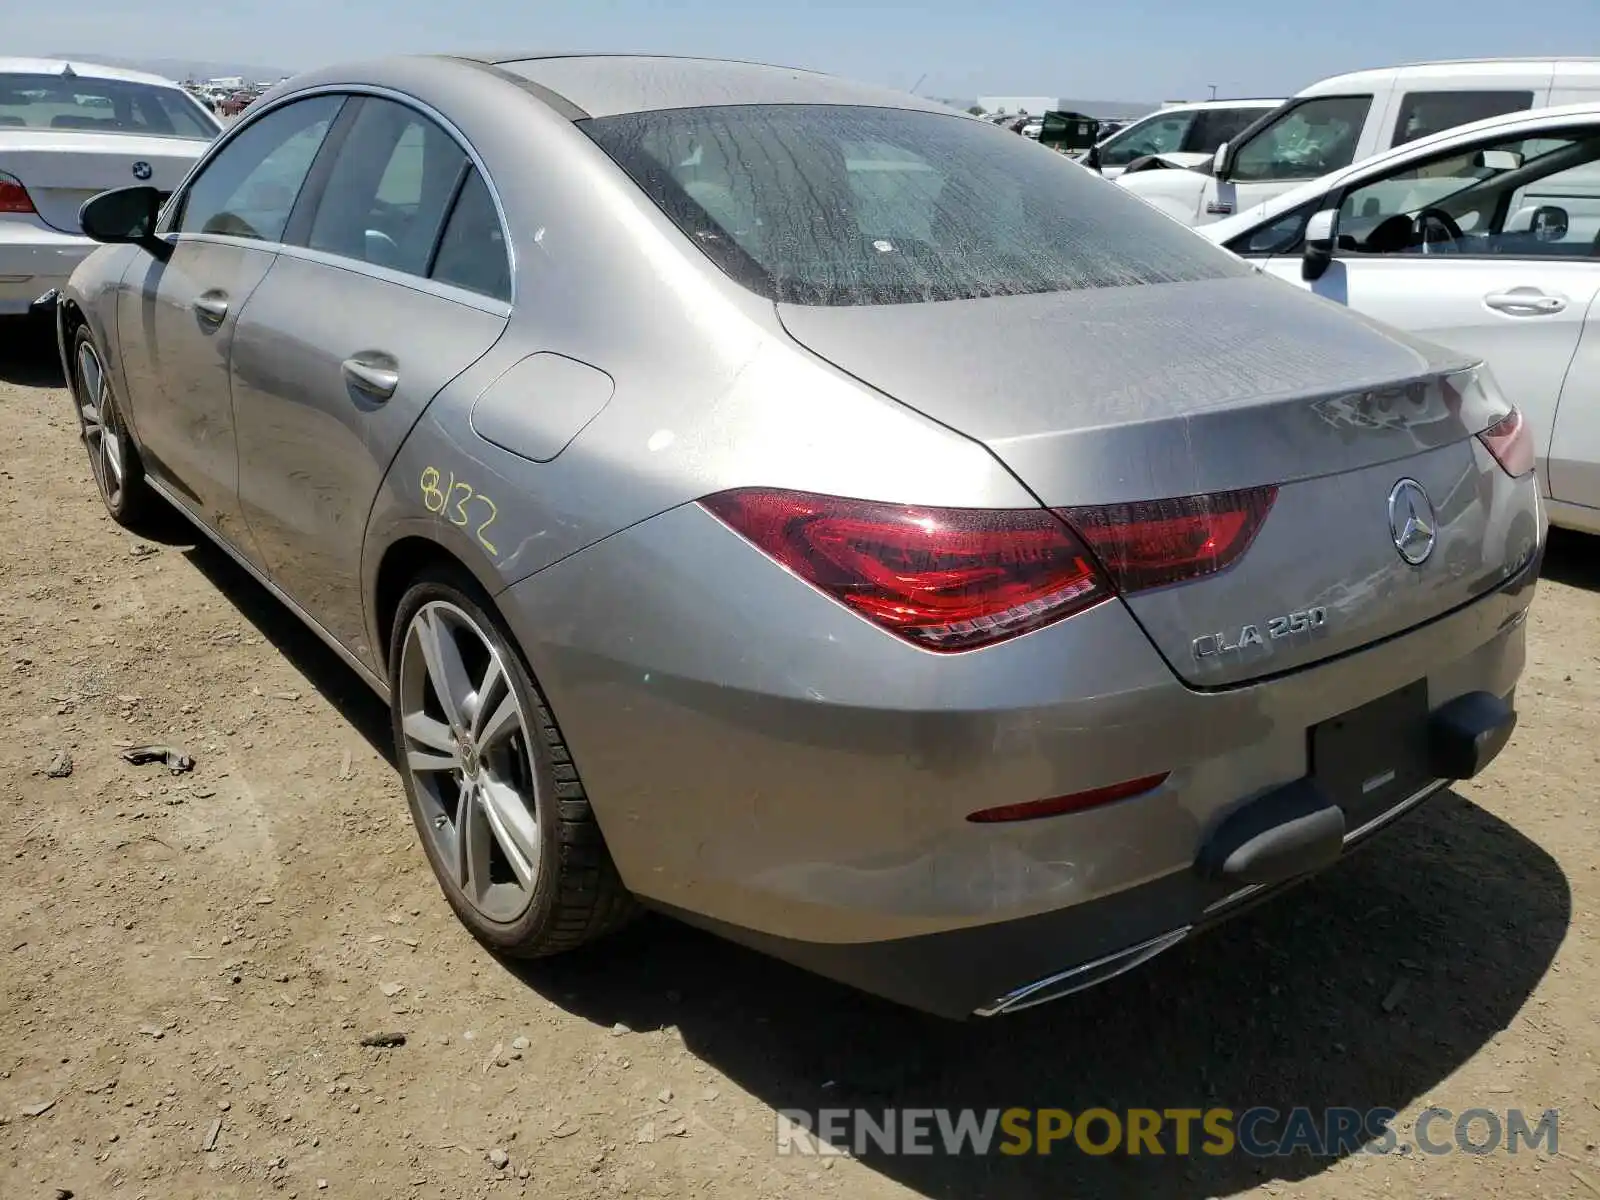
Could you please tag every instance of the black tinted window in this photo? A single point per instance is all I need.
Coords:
(472, 253)
(249, 189)
(839, 205)
(1422, 113)
(1213, 126)
(388, 189)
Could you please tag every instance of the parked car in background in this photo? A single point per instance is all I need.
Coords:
(1190, 130)
(1349, 118)
(68, 131)
(799, 508)
(1485, 239)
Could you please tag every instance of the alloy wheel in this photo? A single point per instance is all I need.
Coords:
(103, 434)
(468, 750)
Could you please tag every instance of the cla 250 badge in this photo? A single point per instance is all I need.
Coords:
(1213, 644)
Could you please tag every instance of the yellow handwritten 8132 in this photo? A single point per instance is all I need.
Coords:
(451, 502)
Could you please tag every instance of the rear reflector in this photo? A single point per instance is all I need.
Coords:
(14, 197)
(1077, 802)
(946, 579)
(1159, 542)
(1511, 442)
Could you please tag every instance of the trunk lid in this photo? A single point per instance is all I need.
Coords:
(62, 168)
(1116, 396)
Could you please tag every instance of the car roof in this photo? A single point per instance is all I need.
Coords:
(1530, 119)
(1541, 69)
(600, 85)
(84, 70)
(1201, 105)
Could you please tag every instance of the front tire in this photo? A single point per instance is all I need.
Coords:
(113, 459)
(493, 791)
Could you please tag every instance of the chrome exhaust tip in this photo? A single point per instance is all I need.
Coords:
(1087, 975)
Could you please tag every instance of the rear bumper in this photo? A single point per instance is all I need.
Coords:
(994, 970)
(766, 765)
(34, 259)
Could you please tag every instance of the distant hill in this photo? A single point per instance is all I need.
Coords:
(183, 68)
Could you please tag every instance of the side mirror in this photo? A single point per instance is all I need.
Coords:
(1092, 159)
(1321, 232)
(124, 216)
(1550, 223)
(1221, 162)
(1497, 160)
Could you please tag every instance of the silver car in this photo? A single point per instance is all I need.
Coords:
(791, 506)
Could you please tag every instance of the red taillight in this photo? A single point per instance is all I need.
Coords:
(1511, 442)
(14, 197)
(1158, 542)
(1077, 802)
(946, 579)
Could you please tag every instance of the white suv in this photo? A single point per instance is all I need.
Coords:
(1178, 129)
(1349, 118)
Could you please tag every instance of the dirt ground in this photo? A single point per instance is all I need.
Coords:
(193, 961)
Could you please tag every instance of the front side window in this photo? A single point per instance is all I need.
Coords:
(1309, 140)
(1280, 236)
(391, 182)
(1154, 135)
(844, 205)
(1521, 196)
(101, 106)
(250, 187)
(1424, 113)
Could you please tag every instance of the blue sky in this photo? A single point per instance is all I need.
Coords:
(1127, 49)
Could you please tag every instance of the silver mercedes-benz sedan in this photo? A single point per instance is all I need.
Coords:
(795, 507)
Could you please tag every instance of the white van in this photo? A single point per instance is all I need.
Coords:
(1349, 118)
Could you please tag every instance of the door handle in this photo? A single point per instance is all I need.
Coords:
(373, 379)
(211, 307)
(1525, 302)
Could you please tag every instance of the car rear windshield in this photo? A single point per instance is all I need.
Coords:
(100, 106)
(845, 205)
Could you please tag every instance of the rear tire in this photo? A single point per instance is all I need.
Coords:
(493, 791)
(113, 459)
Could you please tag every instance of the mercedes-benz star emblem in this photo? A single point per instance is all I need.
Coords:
(141, 170)
(1411, 521)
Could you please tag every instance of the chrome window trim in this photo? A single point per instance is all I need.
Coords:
(163, 221)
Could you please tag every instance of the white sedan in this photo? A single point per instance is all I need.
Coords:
(68, 131)
(1484, 238)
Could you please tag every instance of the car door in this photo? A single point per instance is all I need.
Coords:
(1514, 288)
(1305, 140)
(177, 315)
(1574, 466)
(356, 327)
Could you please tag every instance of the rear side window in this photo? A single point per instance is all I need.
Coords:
(844, 205)
(390, 184)
(472, 253)
(1424, 113)
(1213, 126)
(100, 106)
(250, 187)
